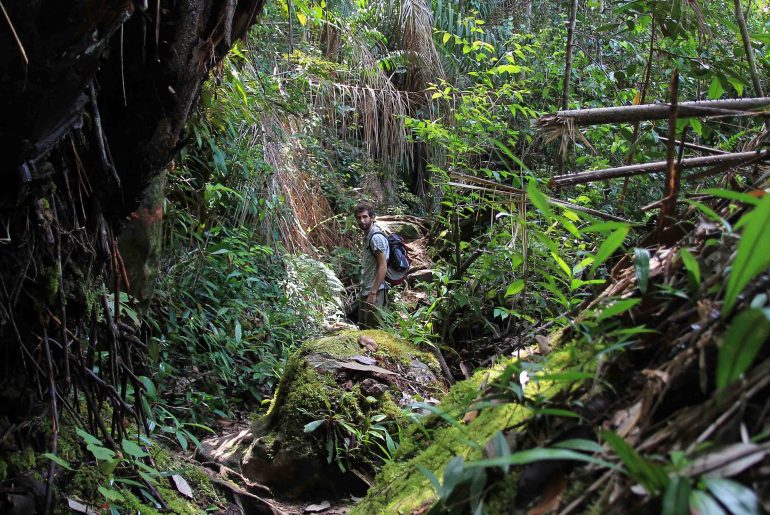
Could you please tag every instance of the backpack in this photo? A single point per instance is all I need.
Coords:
(398, 258)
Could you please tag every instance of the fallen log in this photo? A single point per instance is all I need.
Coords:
(734, 159)
(639, 113)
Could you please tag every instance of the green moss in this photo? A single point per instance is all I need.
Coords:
(175, 502)
(309, 391)
(17, 463)
(432, 442)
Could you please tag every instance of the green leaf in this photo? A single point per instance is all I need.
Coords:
(431, 477)
(453, 476)
(110, 494)
(567, 376)
(182, 440)
(608, 246)
(715, 89)
(732, 195)
(696, 125)
(741, 343)
(676, 498)
(101, 453)
(133, 449)
(502, 448)
(59, 461)
(617, 308)
(149, 387)
(537, 198)
(703, 504)
(514, 288)
(579, 444)
(650, 475)
(312, 426)
(562, 264)
(88, 438)
(556, 412)
(302, 18)
(753, 255)
(446, 38)
(710, 213)
(642, 263)
(691, 265)
(605, 227)
(540, 454)
(734, 496)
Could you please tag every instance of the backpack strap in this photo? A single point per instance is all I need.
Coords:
(371, 235)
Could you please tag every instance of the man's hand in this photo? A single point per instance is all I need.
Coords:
(371, 298)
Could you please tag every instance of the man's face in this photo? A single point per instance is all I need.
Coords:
(364, 220)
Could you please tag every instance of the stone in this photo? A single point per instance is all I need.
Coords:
(322, 387)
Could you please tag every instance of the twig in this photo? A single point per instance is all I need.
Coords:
(15, 35)
(100, 139)
(54, 423)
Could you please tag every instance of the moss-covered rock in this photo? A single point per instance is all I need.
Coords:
(344, 392)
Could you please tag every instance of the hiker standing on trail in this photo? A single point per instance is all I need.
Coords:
(374, 266)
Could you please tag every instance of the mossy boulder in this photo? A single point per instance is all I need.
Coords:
(334, 394)
(407, 230)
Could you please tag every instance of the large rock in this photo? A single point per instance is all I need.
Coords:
(334, 395)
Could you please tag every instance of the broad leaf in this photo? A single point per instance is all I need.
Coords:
(540, 454)
(676, 498)
(514, 288)
(59, 461)
(312, 426)
(617, 308)
(741, 343)
(753, 253)
(734, 496)
(703, 504)
(538, 200)
(608, 246)
(579, 444)
(691, 265)
(132, 449)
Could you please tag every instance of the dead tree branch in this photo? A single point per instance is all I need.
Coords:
(734, 159)
(637, 113)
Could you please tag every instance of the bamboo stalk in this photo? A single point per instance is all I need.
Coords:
(636, 113)
(493, 187)
(737, 159)
(693, 146)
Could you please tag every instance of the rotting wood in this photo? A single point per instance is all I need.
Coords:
(732, 159)
(638, 113)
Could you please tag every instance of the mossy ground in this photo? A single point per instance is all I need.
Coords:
(432, 442)
(83, 481)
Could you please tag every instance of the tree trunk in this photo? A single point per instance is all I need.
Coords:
(748, 48)
(569, 51)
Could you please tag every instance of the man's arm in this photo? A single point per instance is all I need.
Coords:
(382, 268)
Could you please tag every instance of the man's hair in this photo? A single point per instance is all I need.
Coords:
(364, 206)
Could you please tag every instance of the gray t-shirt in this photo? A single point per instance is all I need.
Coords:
(368, 262)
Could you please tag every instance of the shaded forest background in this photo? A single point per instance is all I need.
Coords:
(180, 180)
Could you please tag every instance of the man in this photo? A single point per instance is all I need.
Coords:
(374, 265)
